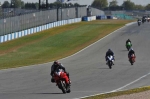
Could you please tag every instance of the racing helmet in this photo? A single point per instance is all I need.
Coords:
(56, 62)
(109, 49)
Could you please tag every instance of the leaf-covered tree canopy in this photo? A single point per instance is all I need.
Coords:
(113, 3)
(128, 5)
(101, 4)
(6, 4)
(147, 7)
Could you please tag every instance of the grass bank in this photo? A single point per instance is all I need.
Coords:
(55, 43)
(119, 93)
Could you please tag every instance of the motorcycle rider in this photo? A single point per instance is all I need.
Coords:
(143, 19)
(139, 21)
(109, 53)
(55, 67)
(131, 51)
(128, 41)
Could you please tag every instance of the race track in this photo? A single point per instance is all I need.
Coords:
(88, 70)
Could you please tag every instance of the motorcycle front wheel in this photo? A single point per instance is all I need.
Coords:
(110, 64)
(63, 87)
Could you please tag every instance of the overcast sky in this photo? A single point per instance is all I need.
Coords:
(88, 2)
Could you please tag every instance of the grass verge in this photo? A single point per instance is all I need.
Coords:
(119, 93)
(55, 43)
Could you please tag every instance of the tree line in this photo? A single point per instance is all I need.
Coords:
(23, 5)
(113, 5)
(100, 4)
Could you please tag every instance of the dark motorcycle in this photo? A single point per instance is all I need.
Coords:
(132, 59)
(143, 20)
(110, 61)
(128, 45)
(60, 80)
(139, 23)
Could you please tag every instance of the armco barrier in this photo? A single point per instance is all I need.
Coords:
(85, 18)
(100, 17)
(109, 17)
(22, 33)
(91, 18)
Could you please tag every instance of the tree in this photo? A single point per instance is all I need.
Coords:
(70, 5)
(31, 5)
(147, 7)
(128, 5)
(139, 7)
(57, 4)
(76, 4)
(22, 4)
(6, 4)
(16, 3)
(113, 3)
(37, 5)
(100, 4)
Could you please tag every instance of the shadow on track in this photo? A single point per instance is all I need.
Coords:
(104, 68)
(47, 93)
(124, 50)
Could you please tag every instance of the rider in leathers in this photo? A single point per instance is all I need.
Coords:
(55, 67)
(108, 53)
(131, 51)
(128, 41)
(139, 20)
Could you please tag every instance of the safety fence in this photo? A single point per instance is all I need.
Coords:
(25, 21)
(25, 24)
(22, 33)
(15, 35)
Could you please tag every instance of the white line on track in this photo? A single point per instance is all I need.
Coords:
(118, 88)
(131, 82)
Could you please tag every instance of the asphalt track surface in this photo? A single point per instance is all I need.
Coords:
(88, 70)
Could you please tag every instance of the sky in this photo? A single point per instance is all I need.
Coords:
(88, 2)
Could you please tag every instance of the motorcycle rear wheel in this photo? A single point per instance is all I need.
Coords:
(131, 62)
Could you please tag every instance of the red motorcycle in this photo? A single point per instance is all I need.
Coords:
(62, 81)
(132, 59)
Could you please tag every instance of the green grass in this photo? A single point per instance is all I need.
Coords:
(55, 43)
(119, 93)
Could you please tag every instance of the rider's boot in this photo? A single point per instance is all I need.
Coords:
(113, 62)
(70, 82)
(67, 86)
